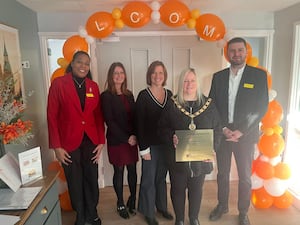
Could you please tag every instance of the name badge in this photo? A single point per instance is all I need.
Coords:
(89, 95)
(246, 85)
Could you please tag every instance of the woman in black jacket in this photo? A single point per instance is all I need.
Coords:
(188, 110)
(118, 110)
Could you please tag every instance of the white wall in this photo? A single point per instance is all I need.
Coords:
(282, 53)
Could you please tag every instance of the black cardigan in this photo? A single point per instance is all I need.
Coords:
(116, 118)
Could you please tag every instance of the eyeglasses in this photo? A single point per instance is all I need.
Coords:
(119, 73)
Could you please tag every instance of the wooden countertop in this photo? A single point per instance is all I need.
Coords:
(46, 182)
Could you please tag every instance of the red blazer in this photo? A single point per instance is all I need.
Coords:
(66, 120)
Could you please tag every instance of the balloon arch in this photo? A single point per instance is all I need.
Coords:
(270, 175)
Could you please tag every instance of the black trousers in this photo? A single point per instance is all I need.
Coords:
(153, 188)
(82, 180)
(243, 152)
(182, 182)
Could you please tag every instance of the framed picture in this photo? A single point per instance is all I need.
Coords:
(10, 60)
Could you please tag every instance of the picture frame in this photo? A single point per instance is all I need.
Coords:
(10, 60)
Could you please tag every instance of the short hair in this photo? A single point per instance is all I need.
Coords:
(237, 40)
(151, 69)
(69, 68)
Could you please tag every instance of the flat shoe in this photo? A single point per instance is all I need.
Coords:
(122, 211)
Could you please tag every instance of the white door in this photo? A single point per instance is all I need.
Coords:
(136, 53)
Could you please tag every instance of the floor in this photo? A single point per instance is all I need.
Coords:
(270, 216)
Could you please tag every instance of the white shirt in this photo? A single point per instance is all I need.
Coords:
(234, 82)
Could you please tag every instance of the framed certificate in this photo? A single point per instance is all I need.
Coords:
(194, 145)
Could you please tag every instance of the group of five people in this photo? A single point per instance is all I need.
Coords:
(147, 127)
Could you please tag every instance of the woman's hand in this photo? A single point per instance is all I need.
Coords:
(97, 151)
(147, 156)
(62, 156)
(132, 140)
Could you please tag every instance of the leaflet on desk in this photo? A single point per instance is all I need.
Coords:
(20, 172)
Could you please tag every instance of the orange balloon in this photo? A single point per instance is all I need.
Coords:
(261, 199)
(253, 61)
(174, 13)
(282, 171)
(100, 24)
(284, 201)
(273, 115)
(55, 166)
(271, 145)
(62, 62)
(58, 73)
(136, 14)
(264, 170)
(210, 27)
(73, 45)
(249, 52)
(65, 201)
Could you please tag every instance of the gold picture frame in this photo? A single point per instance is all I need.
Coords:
(10, 60)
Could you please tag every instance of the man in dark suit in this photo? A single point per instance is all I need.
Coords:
(241, 96)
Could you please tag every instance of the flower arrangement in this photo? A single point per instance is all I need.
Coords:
(13, 129)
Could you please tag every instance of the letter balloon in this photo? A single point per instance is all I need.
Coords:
(174, 13)
(100, 24)
(210, 27)
(136, 14)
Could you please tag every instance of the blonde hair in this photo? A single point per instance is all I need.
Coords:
(179, 96)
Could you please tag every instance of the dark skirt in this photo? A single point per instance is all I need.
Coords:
(123, 154)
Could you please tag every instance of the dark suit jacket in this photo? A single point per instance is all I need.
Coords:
(116, 118)
(67, 123)
(251, 101)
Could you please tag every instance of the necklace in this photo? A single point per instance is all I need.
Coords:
(79, 84)
(192, 125)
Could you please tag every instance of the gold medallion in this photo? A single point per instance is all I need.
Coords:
(192, 126)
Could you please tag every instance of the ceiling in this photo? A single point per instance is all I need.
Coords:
(212, 6)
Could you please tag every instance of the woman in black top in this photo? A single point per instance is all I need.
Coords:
(149, 105)
(118, 110)
(188, 110)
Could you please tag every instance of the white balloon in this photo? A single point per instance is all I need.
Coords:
(89, 39)
(275, 186)
(272, 95)
(256, 181)
(275, 160)
(155, 16)
(82, 32)
(264, 158)
(155, 6)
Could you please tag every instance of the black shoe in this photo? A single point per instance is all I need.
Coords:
(96, 221)
(131, 206)
(194, 222)
(243, 219)
(179, 222)
(166, 214)
(151, 221)
(122, 211)
(217, 213)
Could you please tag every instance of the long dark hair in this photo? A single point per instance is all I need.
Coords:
(78, 53)
(109, 84)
